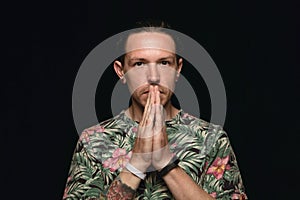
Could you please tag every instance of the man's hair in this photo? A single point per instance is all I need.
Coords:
(149, 25)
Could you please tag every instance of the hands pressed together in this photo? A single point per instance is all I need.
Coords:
(151, 145)
(151, 148)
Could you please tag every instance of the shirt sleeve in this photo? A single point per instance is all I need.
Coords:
(84, 178)
(222, 177)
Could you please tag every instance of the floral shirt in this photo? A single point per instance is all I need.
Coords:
(203, 149)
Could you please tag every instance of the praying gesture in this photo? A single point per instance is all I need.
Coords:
(151, 144)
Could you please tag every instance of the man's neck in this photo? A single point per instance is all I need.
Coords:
(135, 112)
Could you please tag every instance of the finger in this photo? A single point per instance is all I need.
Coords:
(150, 117)
(159, 107)
(146, 109)
(158, 124)
(157, 97)
(148, 129)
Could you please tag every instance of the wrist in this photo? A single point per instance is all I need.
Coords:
(170, 166)
(135, 171)
(129, 179)
(139, 164)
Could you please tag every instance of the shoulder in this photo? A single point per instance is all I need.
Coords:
(208, 133)
(105, 133)
(113, 124)
(198, 124)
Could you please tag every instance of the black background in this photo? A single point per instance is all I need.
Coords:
(255, 45)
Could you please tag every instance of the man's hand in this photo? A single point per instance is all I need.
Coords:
(142, 150)
(161, 154)
(151, 145)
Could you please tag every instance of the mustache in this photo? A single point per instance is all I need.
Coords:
(161, 89)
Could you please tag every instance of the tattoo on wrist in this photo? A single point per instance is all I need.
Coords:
(119, 190)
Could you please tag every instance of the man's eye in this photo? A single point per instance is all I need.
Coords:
(138, 64)
(165, 62)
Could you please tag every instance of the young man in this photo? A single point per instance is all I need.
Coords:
(153, 150)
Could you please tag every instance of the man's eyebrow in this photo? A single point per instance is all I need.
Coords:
(137, 59)
(144, 59)
(168, 57)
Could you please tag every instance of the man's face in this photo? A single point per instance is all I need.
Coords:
(150, 60)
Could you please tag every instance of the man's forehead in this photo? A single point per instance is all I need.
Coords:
(146, 53)
(150, 40)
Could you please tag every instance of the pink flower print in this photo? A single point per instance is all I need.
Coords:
(99, 129)
(119, 159)
(185, 115)
(134, 129)
(90, 131)
(66, 193)
(235, 196)
(213, 194)
(69, 179)
(218, 167)
(238, 196)
(84, 135)
(173, 146)
(87, 132)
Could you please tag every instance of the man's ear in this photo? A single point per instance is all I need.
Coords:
(118, 67)
(180, 63)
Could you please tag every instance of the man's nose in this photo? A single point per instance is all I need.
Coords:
(153, 74)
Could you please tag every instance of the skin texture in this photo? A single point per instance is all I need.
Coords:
(153, 54)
